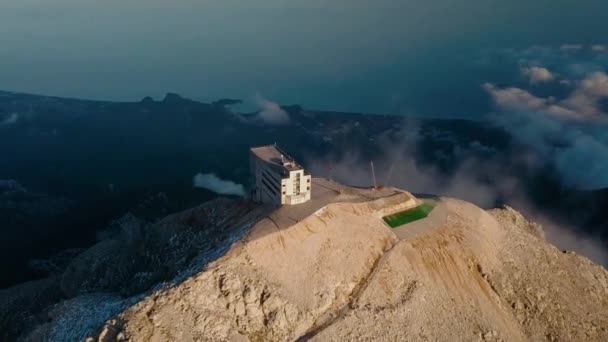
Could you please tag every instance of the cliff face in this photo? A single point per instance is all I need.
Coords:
(341, 274)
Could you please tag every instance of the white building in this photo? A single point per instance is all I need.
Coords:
(278, 178)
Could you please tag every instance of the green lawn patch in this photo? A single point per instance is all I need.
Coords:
(410, 215)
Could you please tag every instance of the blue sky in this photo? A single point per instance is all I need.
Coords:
(403, 57)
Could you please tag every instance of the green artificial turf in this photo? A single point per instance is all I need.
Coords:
(410, 215)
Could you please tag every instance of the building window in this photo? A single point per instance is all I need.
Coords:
(307, 188)
(284, 192)
(308, 180)
(296, 184)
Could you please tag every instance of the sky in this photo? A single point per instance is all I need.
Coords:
(537, 68)
(385, 56)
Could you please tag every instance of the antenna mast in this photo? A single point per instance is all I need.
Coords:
(373, 174)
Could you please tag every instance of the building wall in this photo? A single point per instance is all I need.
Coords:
(271, 187)
(296, 188)
(267, 184)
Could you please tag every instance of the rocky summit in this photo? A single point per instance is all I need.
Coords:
(339, 273)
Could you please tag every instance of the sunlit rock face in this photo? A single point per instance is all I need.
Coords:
(341, 274)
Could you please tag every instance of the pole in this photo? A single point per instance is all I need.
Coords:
(373, 174)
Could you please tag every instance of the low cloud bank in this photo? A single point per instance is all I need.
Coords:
(582, 104)
(564, 236)
(396, 165)
(212, 182)
(484, 181)
(571, 133)
(566, 239)
(568, 131)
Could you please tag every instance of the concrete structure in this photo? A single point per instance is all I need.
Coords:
(278, 179)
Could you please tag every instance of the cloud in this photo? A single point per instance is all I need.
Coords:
(582, 104)
(270, 112)
(561, 61)
(596, 84)
(571, 47)
(538, 74)
(212, 182)
(513, 97)
(564, 236)
(396, 165)
(566, 239)
(571, 134)
(585, 99)
(10, 119)
(486, 181)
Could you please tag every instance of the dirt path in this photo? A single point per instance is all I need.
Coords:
(328, 320)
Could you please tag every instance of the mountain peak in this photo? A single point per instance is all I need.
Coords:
(173, 98)
(333, 270)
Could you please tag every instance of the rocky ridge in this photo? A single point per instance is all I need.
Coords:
(341, 274)
(132, 259)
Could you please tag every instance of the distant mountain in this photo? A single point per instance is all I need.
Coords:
(86, 181)
(110, 158)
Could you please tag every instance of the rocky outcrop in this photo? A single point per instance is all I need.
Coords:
(484, 276)
(273, 285)
(135, 255)
(340, 274)
(337, 274)
(18, 306)
(132, 257)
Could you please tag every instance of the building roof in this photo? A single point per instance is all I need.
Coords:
(276, 157)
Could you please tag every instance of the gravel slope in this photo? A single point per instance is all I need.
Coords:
(341, 274)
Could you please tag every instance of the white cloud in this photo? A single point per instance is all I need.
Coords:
(10, 119)
(396, 165)
(586, 97)
(582, 104)
(579, 152)
(271, 112)
(596, 84)
(571, 133)
(599, 48)
(514, 98)
(212, 182)
(538, 74)
(571, 47)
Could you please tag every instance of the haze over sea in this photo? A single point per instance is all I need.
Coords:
(383, 56)
(536, 70)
